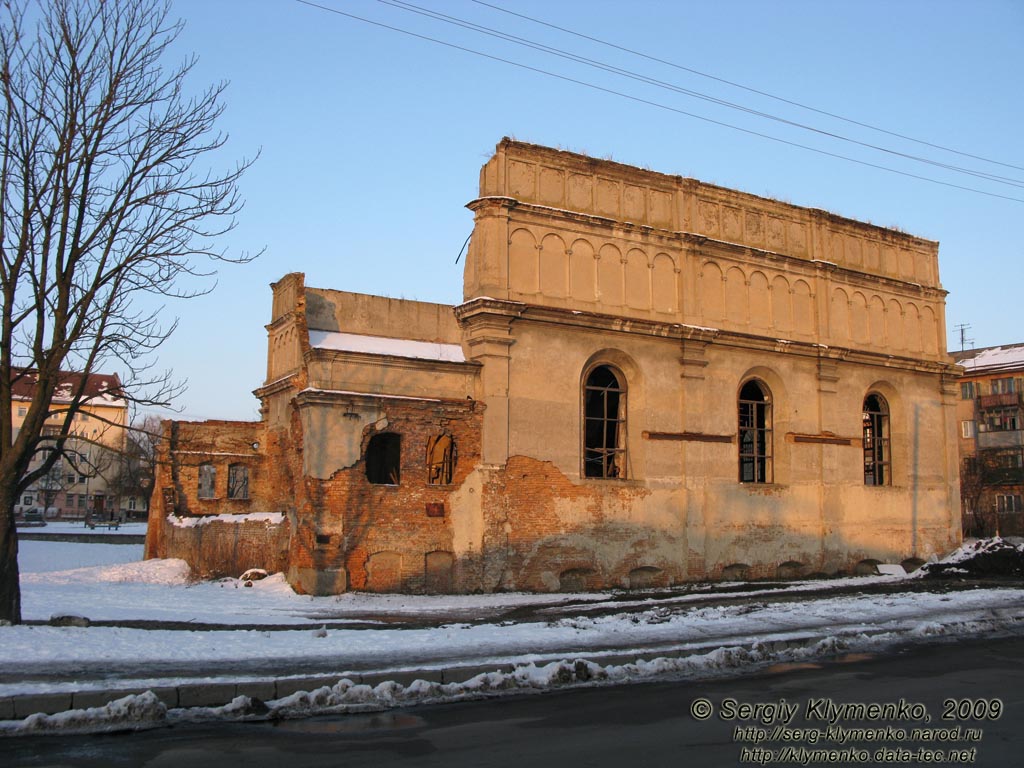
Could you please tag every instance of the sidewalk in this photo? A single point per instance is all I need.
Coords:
(621, 635)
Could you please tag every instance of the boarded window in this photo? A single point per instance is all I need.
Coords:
(207, 481)
(440, 460)
(238, 481)
(383, 459)
(755, 433)
(877, 463)
(437, 576)
(604, 424)
(384, 572)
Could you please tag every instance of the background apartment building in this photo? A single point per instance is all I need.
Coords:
(88, 478)
(992, 439)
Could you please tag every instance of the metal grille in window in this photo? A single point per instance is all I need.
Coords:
(441, 457)
(755, 434)
(604, 430)
(207, 481)
(877, 462)
(238, 481)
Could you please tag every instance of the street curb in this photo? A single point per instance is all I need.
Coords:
(216, 693)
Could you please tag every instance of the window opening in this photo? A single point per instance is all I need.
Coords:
(383, 458)
(604, 430)
(207, 481)
(238, 481)
(1008, 502)
(1003, 386)
(441, 456)
(967, 390)
(876, 442)
(755, 433)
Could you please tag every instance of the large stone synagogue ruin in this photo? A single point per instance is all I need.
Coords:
(650, 380)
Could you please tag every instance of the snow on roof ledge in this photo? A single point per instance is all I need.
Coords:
(380, 345)
(269, 518)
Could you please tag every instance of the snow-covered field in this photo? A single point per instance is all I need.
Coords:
(719, 637)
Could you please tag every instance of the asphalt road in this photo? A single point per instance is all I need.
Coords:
(977, 685)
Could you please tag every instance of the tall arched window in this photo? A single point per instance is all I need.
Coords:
(755, 433)
(877, 458)
(604, 423)
(441, 457)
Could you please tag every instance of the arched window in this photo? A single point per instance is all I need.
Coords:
(877, 458)
(604, 423)
(384, 458)
(755, 433)
(207, 481)
(441, 456)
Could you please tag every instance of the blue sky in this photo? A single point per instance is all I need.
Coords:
(371, 141)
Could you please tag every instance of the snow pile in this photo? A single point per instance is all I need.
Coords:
(165, 572)
(131, 713)
(985, 557)
(267, 518)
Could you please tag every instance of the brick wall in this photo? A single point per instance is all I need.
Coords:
(386, 536)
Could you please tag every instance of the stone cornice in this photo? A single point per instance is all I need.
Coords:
(598, 322)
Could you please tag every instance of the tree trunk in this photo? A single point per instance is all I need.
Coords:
(10, 593)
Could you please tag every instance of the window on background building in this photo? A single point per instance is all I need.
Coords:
(967, 390)
(1011, 459)
(604, 423)
(755, 433)
(1002, 419)
(131, 504)
(207, 481)
(384, 459)
(26, 500)
(82, 499)
(876, 441)
(1003, 386)
(22, 410)
(968, 429)
(441, 456)
(238, 481)
(1008, 502)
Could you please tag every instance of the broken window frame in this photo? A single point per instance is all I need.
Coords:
(754, 432)
(206, 485)
(604, 424)
(238, 482)
(441, 458)
(876, 441)
(384, 459)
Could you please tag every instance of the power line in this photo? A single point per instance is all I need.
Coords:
(747, 88)
(656, 104)
(456, 21)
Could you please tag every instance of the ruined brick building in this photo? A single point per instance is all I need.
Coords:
(649, 380)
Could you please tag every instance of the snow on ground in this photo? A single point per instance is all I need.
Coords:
(54, 528)
(719, 637)
(49, 556)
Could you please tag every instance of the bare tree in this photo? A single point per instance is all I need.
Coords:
(107, 206)
(134, 471)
